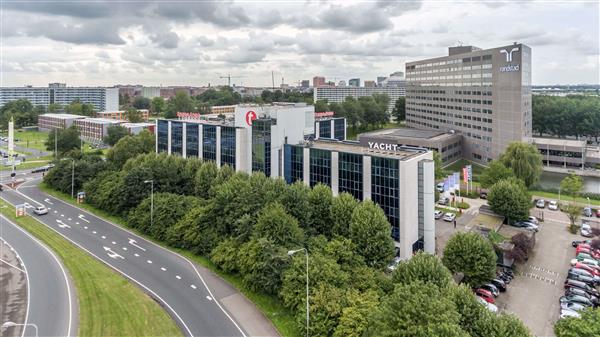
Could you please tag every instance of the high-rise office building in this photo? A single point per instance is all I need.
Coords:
(370, 84)
(485, 95)
(305, 83)
(338, 94)
(58, 93)
(354, 82)
(318, 81)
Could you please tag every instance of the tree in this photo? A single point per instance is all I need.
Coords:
(114, 133)
(586, 326)
(320, 199)
(571, 185)
(472, 255)
(524, 160)
(134, 115)
(437, 163)
(262, 263)
(371, 232)
(416, 310)
(141, 103)
(21, 110)
(157, 106)
(275, 224)
(510, 198)
(424, 268)
(180, 103)
(353, 321)
(321, 106)
(341, 213)
(78, 108)
(573, 212)
(66, 140)
(495, 172)
(399, 111)
(204, 178)
(130, 147)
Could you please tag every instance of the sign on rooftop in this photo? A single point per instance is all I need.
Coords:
(324, 114)
(188, 115)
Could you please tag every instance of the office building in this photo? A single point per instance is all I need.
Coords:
(567, 153)
(370, 84)
(121, 115)
(222, 109)
(395, 79)
(58, 93)
(150, 92)
(318, 81)
(94, 130)
(305, 84)
(448, 145)
(338, 94)
(380, 80)
(48, 122)
(485, 95)
(281, 140)
(136, 128)
(354, 82)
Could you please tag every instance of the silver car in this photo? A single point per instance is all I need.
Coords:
(40, 210)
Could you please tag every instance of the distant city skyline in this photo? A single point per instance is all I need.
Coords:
(196, 43)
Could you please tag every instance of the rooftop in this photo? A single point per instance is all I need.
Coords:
(62, 116)
(402, 152)
(407, 133)
(103, 120)
(558, 142)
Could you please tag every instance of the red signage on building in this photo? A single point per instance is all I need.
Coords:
(324, 114)
(188, 115)
(250, 116)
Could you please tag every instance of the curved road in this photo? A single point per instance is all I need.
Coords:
(51, 301)
(168, 277)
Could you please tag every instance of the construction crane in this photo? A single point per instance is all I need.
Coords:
(229, 77)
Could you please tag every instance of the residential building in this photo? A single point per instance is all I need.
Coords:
(150, 92)
(485, 95)
(354, 82)
(380, 80)
(370, 84)
(318, 81)
(48, 122)
(58, 93)
(338, 94)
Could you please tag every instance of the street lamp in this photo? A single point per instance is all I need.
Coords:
(10, 324)
(589, 205)
(290, 253)
(151, 182)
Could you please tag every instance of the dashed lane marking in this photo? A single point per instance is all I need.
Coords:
(85, 227)
(125, 248)
(209, 298)
(93, 232)
(114, 243)
(178, 277)
(149, 262)
(163, 268)
(104, 237)
(136, 255)
(193, 286)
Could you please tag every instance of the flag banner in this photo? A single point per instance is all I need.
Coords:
(446, 185)
(470, 170)
(457, 180)
(465, 175)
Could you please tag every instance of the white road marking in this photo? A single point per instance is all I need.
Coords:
(85, 227)
(48, 201)
(163, 268)
(134, 243)
(69, 219)
(82, 217)
(114, 243)
(11, 265)
(136, 255)
(62, 224)
(93, 232)
(193, 286)
(62, 215)
(125, 248)
(104, 237)
(209, 298)
(178, 277)
(77, 223)
(113, 254)
(55, 212)
(149, 262)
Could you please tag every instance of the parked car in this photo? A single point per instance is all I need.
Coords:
(583, 278)
(565, 313)
(491, 307)
(578, 242)
(553, 205)
(533, 220)
(594, 271)
(582, 293)
(593, 253)
(581, 285)
(483, 194)
(573, 306)
(598, 213)
(586, 230)
(491, 288)
(485, 294)
(587, 212)
(440, 187)
(588, 262)
(394, 264)
(443, 201)
(576, 299)
(40, 210)
(500, 284)
(526, 225)
(541, 203)
(438, 214)
(449, 217)
(584, 272)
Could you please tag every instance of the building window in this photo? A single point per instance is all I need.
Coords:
(261, 146)
(294, 163)
(385, 185)
(351, 174)
(339, 129)
(209, 142)
(325, 129)
(191, 140)
(163, 136)
(320, 167)
(176, 138)
(228, 146)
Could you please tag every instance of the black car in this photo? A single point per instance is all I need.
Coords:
(582, 293)
(576, 299)
(585, 279)
(500, 284)
(569, 283)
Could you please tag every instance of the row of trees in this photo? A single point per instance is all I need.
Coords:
(574, 115)
(367, 111)
(25, 114)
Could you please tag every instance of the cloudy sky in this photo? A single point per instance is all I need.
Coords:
(196, 42)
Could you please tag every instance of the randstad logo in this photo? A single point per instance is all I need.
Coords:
(509, 54)
(250, 116)
(509, 68)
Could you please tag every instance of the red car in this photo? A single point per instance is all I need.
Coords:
(594, 271)
(486, 295)
(594, 253)
(598, 213)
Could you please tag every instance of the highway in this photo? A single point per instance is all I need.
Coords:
(51, 297)
(168, 277)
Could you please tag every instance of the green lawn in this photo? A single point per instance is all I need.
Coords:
(32, 139)
(27, 165)
(352, 133)
(563, 197)
(282, 318)
(109, 305)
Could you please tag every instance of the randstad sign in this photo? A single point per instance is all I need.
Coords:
(509, 58)
(383, 146)
(509, 68)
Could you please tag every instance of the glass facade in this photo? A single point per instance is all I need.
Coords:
(339, 129)
(176, 138)
(191, 140)
(162, 134)
(261, 146)
(351, 174)
(293, 165)
(320, 167)
(385, 185)
(325, 129)
(209, 142)
(228, 146)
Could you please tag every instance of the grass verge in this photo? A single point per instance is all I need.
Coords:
(109, 305)
(26, 165)
(554, 196)
(281, 317)
(352, 133)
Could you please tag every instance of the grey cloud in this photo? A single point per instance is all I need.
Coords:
(94, 32)
(244, 56)
(219, 14)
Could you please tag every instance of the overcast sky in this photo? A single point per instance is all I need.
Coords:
(196, 42)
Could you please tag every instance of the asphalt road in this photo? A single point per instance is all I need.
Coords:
(51, 302)
(171, 279)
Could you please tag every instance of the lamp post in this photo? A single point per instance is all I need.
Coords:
(73, 179)
(151, 182)
(10, 324)
(290, 253)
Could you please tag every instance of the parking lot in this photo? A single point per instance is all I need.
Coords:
(533, 294)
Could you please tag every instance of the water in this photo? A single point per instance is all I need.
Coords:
(552, 180)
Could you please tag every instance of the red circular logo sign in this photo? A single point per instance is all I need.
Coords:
(250, 116)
